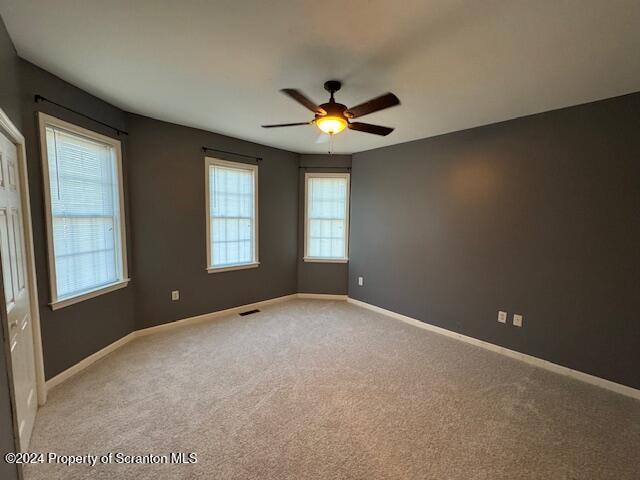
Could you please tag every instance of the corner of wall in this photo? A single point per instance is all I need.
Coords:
(319, 278)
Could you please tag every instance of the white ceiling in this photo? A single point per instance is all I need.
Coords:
(218, 65)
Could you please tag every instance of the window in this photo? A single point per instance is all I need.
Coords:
(85, 214)
(326, 217)
(232, 215)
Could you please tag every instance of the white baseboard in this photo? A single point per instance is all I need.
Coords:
(85, 362)
(538, 362)
(322, 296)
(210, 316)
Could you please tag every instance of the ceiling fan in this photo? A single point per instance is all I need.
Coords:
(333, 117)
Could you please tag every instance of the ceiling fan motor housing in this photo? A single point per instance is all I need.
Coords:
(333, 109)
(333, 117)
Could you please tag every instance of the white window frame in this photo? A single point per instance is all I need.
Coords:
(208, 162)
(45, 120)
(307, 176)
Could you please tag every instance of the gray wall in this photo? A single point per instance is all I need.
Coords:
(10, 103)
(537, 216)
(168, 212)
(165, 219)
(9, 77)
(313, 277)
(74, 332)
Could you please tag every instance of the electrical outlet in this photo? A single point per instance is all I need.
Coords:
(502, 316)
(175, 295)
(517, 320)
(360, 281)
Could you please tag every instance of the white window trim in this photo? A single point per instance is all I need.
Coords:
(56, 303)
(307, 176)
(208, 161)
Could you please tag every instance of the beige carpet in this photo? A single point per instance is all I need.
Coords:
(326, 390)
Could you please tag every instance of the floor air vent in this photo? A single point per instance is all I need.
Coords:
(249, 312)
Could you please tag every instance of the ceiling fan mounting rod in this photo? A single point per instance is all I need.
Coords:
(333, 117)
(332, 86)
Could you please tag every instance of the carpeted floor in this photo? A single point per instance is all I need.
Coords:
(326, 390)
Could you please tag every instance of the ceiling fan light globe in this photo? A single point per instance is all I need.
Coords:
(331, 124)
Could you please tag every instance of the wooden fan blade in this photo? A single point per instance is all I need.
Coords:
(286, 124)
(368, 128)
(303, 100)
(379, 103)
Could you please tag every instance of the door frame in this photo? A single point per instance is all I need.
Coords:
(7, 126)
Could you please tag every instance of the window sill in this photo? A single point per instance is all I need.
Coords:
(242, 266)
(91, 294)
(325, 260)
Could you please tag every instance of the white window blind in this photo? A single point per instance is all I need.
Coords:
(232, 214)
(84, 212)
(327, 216)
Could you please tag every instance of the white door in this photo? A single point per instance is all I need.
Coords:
(12, 253)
